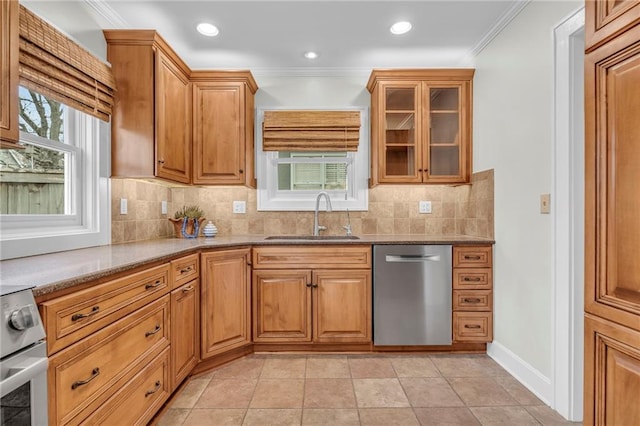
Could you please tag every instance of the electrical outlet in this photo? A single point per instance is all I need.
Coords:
(239, 207)
(123, 206)
(163, 207)
(424, 207)
(545, 203)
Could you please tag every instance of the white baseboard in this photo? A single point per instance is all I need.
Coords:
(531, 378)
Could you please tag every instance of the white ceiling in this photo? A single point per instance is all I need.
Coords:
(270, 37)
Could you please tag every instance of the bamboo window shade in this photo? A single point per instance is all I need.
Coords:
(315, 130)
(57, 67)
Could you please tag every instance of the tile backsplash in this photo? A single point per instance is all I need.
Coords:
(393, 209)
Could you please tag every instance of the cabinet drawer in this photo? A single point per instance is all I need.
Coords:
(184, 270)
(472, 279)
(472, 326)
(87, 372)
(467, 300)
(472, 257)
(324, 256)
(70, 318)
(137, 401)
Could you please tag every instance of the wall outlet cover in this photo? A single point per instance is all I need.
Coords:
(424, 207)
(123, 206)
(163, 207)
(239, 207)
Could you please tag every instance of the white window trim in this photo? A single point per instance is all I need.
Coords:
(88, 222)
(270, 198)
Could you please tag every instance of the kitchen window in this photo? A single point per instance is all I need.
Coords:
(291, 181)
(51, 194)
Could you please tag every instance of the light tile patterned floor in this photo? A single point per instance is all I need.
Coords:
(376, 389)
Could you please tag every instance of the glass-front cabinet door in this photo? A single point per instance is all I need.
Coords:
(442, 156)
(421, 125)
(401, 150)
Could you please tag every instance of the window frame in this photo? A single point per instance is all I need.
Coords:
(86, 221)
(270, 198)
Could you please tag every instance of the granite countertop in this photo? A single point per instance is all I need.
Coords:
(56, 271)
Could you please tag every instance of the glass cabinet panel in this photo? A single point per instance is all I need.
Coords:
(400, 131)
(444, 131)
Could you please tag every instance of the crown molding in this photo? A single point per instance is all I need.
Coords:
(107, 13)
(497, 28)
(311, 72)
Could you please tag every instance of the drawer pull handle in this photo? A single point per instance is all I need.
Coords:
(474, 326)
(187, 289)
(470, 257)
(155, 330)
(154, 285)
(187, 269)
(94, 373)
(94, 310)
(156, 389)
(471, 300)
(472, 279)
(315, 286)
(309, 285)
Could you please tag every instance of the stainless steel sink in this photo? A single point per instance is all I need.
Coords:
(312, 237)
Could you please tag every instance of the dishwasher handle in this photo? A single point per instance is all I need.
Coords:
(412, 258)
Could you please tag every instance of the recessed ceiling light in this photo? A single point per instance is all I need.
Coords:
(207, 29)
(310, 55)
(400, 27)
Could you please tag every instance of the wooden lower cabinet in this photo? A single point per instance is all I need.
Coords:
(87, 374)
(185, 331)
(612, 373)
(137, 401)
(330, 303)
(472, 294)
(225, 319)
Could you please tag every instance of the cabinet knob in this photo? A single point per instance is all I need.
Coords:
(161, 161)
(241, 171)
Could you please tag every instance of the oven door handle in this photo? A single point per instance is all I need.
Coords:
(22, 372)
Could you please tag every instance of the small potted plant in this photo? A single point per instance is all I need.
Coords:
(187, 221)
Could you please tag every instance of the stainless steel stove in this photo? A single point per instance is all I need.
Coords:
(23, 360)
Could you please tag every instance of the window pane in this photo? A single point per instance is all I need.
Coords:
(312, 171)
(32, 180)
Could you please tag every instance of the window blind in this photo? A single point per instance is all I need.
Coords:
(315, 130)
(54, 65)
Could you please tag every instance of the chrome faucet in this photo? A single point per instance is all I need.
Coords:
(316, 227)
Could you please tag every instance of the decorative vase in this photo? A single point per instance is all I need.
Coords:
(187, 227)
(210, 230)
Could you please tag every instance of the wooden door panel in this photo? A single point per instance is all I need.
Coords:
(219, 133)
(342, 306)
(185, 329)
(173, 121)
(9, 131)
(613, 172)
(612, 373)
(225, 293)
(607, 18)
(281, 306)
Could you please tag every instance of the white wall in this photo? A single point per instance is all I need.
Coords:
(513, 134)
(312, 91)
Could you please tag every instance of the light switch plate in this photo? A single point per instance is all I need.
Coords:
(239, 207)
(545, 203)
(163, 207)
(424, 207)
(123, 206)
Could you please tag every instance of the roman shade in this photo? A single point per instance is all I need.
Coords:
(316, 130)
(57, 67)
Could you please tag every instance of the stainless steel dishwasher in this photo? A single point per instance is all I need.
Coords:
(411, 295)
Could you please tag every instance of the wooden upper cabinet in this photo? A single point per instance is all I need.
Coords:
(612, 224)
(223, 146)
(612, 79)
(9, 34)
(605, 19)
(173, 126)
(151, 122)
(420, 126)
